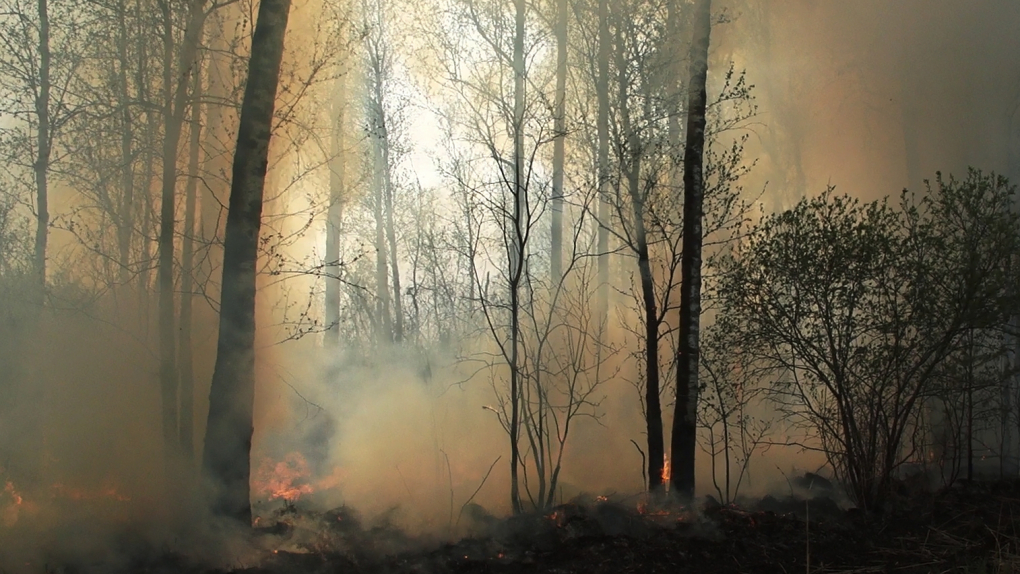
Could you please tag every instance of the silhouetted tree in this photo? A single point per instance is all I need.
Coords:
(685, 414)
(227, 456)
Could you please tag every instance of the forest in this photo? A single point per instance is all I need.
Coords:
(361, 280)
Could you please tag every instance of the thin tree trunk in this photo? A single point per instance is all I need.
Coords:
(125, 227)
(218, 140)
(559, 144)
(144, 201)
(602, 128)
(227, 456)
(391, 235)
(684, 440)
(334, 216)
(382, 289)
(185, 361)
(173, 114)
(517, 255)
(970, 406)
(632, 161)
(42, 159)
(653, 414)
(146, 232)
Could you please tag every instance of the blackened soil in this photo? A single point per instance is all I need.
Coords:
(969, 528)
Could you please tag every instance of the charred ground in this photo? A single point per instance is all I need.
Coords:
(970, 527)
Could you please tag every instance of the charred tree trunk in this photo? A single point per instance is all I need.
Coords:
(185, 361)
(41, 168)
(227, 456)
(559, 144)
(684, 443)
(334, 216)
(173, 114)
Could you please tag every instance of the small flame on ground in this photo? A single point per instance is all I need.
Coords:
(290, 479)
(666, 470)
(11, 506)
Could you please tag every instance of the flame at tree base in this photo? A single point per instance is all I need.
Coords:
(291, 478)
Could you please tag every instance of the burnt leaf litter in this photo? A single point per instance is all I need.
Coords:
(970, 527)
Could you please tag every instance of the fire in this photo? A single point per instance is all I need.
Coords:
(10, 491)
(290, 479)
(11, 504)
(666, 470)
(15, 504)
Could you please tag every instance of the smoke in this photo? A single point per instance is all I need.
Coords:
(875, 96)
(870, 95)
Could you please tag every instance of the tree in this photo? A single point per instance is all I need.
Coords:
(379, 63)
(685, 413)
(185, 366)
(334, 218)
(38, 68)
(175, 94)
(227, 457)
(726, 413)
(854, 346)
(559, 143)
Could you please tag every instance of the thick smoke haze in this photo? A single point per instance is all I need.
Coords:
(874, 96)
(870, 96)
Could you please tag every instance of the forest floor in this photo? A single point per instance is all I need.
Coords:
(967, 528)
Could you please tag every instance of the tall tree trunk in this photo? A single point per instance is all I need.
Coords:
(173, 114)
(602, 128)
(559, 144)
(145, 94)
(185, 361)
(685, 429)
(227, 457)
(334, 216)
(638, 199)
(382, 290)
(44, 140)
(147, 224)
(391, 235)
(518, 251)
(216, 164)
(125, 227)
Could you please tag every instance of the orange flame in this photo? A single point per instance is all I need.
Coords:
(10, 491)
(666, 470)
(290, 479)
(10, 504)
